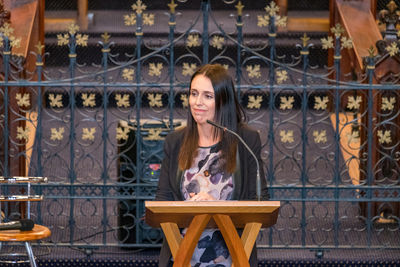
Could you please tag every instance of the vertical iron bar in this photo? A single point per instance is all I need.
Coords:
(205, 7)
(239, 27)
(6, 63)
(304, 52)
(171, 68)
(370, 175)
(139, 168)
(337, 57)
(72, 174)
(104, 175)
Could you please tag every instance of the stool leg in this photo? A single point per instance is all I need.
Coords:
(30, 254)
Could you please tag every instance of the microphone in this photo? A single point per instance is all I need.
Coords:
(258, 181)
(22, 225)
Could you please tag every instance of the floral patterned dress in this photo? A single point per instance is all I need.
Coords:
(207, 175)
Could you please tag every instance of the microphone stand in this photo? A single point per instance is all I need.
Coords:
(258, 181)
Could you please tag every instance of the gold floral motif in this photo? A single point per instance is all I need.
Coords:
(57, 135)
(384, 137)
(122, 100)
(346, 42)
(320, 137)
(392, 49)
(286, 136)
(155, 69)
(122, 133)
(62, 39)
(155, 100)
(217, 42)
(139, 7)
(281, 21)
(286, 102)
(88, 133)
(73, 28)
(239, 8)
(282, 76)
(22, 100)
(127, 74)
(82, 39)
(337, 30)
(305, 39)
(193, 40)
(88, 100)
(15, 42)
(254, 102)
(55, 100)
(253, 71)
(388, 104)
(172, 6)
(130, 19)
(148, 19)
(188, 69)
(39, 48)
(321, 102)
(354, 102)
(106, 37)
(354, 136)
(185, 100)
(272, 9)
(226, 66)
(263, 20)
(327, 42)
(154, 134)
(22, 133)
(6, 29)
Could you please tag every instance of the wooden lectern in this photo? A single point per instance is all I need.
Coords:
(225, 215)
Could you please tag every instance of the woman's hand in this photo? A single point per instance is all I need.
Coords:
(201, 196)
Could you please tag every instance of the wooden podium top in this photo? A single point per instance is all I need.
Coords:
(182, 212)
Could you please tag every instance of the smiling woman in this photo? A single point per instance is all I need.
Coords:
(202, 162)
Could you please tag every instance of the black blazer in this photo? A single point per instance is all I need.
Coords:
(169, 185)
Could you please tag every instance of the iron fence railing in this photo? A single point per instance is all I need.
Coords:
(96, 132)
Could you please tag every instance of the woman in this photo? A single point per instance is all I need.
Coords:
(202, 162)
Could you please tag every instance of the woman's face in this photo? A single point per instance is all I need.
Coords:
(202, 99)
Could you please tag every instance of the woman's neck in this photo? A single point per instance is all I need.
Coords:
(206, 135)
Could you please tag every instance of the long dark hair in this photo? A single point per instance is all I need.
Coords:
(228, 113)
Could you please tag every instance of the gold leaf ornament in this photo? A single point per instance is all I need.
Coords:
(130, 19)
(392, 49)
(217, 42)
(88, 133)
(155, 69)
(127, 74)
(82, 39)
(254, 102)
(388, 103)
(154, 134)
(327, 42)
(321, 102)
(148, 19)
(384, 136)
(193, 40)
(287, 102)
(263, 20)
(88, 100)
(320, 137)
(55, 100)
(353, 137)
(272, 9)
(22, 100)
(62, 39)
(346, 42)
(282, 75)
(253, 71)
(73, 28)
(122, 133)
(185, 100)
(286, 136)
(57, 134)
(122, 100)
(354, 102)
(139, 7)
(188, 69)
(22, 133)
(154, 100)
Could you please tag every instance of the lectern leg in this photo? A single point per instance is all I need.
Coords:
(173, 236)
(232, 240)
(190, 240)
